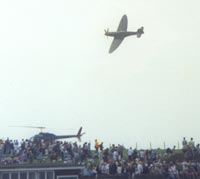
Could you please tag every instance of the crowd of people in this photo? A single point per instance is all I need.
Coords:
(114, 160)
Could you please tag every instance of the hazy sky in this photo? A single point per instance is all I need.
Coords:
(55, 70)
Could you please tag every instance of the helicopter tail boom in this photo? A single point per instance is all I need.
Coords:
(78, 135)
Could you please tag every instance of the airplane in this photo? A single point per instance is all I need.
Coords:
(121, 33)
(45, 136)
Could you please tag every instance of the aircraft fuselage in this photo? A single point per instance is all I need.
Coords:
(120, 34)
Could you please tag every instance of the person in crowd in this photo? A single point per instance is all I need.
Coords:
(191, 143)
(96, 145)
(185, 144)
(130, 153)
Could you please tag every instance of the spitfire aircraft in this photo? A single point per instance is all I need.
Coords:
(121, 33)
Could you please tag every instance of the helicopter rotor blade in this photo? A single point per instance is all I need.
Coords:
(35, 127)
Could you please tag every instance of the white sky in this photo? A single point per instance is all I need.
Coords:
(55, 70)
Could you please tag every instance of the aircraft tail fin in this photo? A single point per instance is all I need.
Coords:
(79, 134)
(140, 31)
(106, 30)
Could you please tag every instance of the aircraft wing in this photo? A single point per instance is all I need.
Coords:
(115, 43)
(123, 24)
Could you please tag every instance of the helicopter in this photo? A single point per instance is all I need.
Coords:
(46, 136)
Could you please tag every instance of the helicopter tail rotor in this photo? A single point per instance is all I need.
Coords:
(79, 134)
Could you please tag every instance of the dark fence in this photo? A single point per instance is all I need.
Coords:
(147, 176)
(105, 177)
(143, 176)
